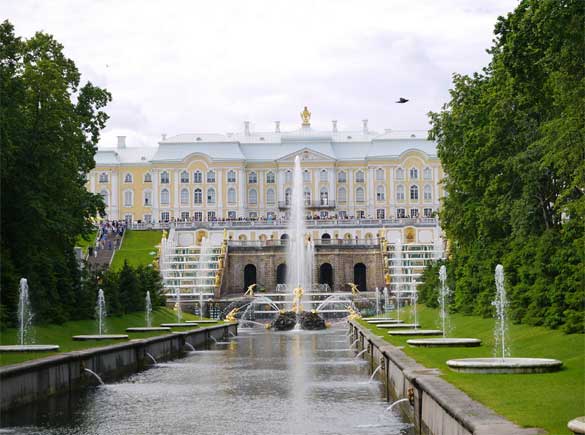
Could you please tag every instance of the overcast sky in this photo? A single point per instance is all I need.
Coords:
(206, 66)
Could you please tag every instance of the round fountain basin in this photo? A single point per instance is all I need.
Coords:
(399, 325)
(577, 425)
(100, 337)
(200, 321)
(416, 332)
(29, 348)
(444, 342)
(148, 329)
(179, 325)
(504, 365)
(378, 321)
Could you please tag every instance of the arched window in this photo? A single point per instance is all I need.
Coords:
(306, 175)
(359, 177)
(380, 174)
(323, 175)
(147, 195)
(249, 275)
(128, 178)
(197, 177)
(148, 178)
(342, 194)
(288, 177)
(105, 196)
(103, 177)
(231, 176)
(128, 198)
(413, 174)
(307, 196)
(270, 197)
(428, 174)
(326, 275)
(231, 195)
(184, 177)
(211, 196)
(164, 197)
(252, 196)
(211, 176)
(341, 177)
(198, 196)
(399, 174)
(428, 193)
(270, 179)
(164, 177)
(252, 178)
(414, 192)
(359, 195)
(287, 196)
(359, 276)
(184, 196)
(324, 196)
(380, 193)
(400, 193)
(281, 273)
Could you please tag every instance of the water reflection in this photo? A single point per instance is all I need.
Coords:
(286, 383)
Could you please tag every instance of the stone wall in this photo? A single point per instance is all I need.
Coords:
(266, 260)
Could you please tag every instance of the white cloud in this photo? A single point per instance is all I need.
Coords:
(186, 66)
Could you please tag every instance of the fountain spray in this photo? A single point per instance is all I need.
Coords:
(100, 311)
(148, 310)
(443, 295)
(25, 314)
(501, 304)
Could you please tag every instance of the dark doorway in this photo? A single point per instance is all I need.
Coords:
(281, 274)
(326, 275)
(326, 238)
(359, 276)
(249, 275)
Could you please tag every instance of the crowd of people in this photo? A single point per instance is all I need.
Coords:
(103, 240)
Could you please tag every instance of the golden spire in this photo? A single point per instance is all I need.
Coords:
(306, 117)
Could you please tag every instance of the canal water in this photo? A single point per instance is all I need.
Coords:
(261, 382)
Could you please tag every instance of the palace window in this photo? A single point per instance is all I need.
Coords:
(184, 177)
(380, 193)
(211, 196)
(103, 177)
(400, 213)
(198, 196)
(360, 195)
(253, 215)
(381, 213)
(400, 193)
(360, 214)
(307, 196)
(184, 196)
(270, 179)
(324, 196)
(197, 177)
(211, 176)
(428, 212)
(413, 174)
(342, 194)
(288, 177)
(231, 214)
(428, 193)
(342, 214)
(185, 216)
(252, 196)
(399, 174)
(380, 174)
(128, 198)
(148, 218)
(252, 178)
(359, 177)
(231, 176)
(341, 177)
(211, 216)
(428, 174)
(128, 178)
(148, 178)
(287, 196)
(323, 175)
(414, 212)
(105, 196)
(270, 197)
(414, 192)
(147, 198)
(164, 197)
(165, 216)
(164, 177)
(198, 216)
(306, 175)
(231, 195)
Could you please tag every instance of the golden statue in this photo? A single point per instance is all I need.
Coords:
(387, 279)
(354, 288)
(164, 235)
(298, 295)
(353, 314)
(218, 280)
(306, 117)
(224, 234)
(231, 317)
(250, 291)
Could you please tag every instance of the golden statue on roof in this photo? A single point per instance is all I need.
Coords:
(306, 117)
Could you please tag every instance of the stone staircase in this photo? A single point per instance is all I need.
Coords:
(105, 254)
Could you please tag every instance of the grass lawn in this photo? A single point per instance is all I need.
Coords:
(84, 244)
(547, 400)
(136, 248)
(61, 334)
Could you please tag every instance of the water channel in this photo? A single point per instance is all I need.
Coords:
(261, 382)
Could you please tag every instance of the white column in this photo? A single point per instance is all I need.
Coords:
(317, 194)
(280, 185)
(332, 186)
(114, 203)
(219, 180)
(350, 193)
(371, 189)
(155, 195)
(242, 199)
(260, 192)
(176, 195)
(391, 198)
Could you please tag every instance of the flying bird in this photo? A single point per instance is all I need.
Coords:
(402, 100)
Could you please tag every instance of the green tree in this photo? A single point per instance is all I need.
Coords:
(49, 129)
(131, 297)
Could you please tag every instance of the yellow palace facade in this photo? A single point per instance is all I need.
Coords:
(248, 175)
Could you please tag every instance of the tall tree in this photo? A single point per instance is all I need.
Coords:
(49, 129)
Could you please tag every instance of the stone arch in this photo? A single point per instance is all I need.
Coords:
(326, 275)
(242, 237)
(262, 237)
(284, 236)
(281, 270)
(360, 277)
(249, 275)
